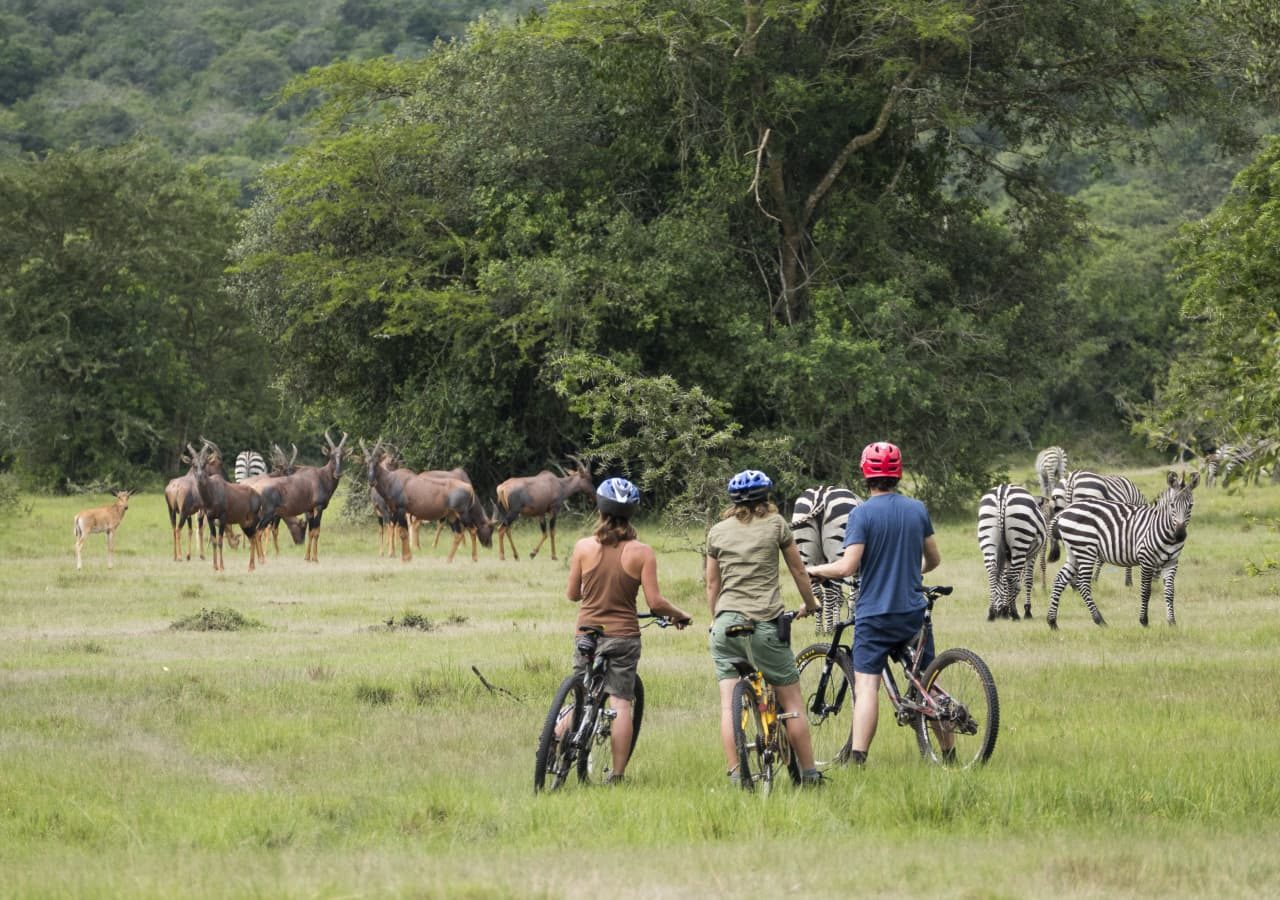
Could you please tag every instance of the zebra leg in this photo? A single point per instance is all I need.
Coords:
(993, 591)
(1060, 581)
(1029, 581)
(1011, 590)
(1144, 595)
(1128, 577)
(1167, 576)
(1084, 584)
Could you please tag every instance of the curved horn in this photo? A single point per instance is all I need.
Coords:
(293, 459)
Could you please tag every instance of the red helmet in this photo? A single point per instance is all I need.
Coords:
(881, 460)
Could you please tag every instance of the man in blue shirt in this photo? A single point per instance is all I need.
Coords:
(889, 540)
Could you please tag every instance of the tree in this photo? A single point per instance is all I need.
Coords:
(1224, 385)
(116, 343)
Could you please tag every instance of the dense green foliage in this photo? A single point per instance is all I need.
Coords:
(784, 208)
(119, 344)
(199, 77)
(1224, 385)
(679, 236)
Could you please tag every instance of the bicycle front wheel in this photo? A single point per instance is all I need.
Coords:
(828, 703)
(749, 738)
(596, 763)
(963, 733)
(554, 758)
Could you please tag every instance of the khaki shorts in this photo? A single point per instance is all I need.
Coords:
(624, 656)
(773, 658)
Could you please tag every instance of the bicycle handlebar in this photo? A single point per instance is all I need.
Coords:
(661, 621)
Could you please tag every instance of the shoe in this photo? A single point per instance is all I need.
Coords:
(813, 779)
(613, 778)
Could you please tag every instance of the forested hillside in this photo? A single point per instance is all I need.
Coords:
(679, 237)
(201, 78)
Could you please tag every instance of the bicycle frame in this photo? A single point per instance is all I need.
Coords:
(916, 701)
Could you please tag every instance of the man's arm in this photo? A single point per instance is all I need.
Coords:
(843, 567)
(932, 556)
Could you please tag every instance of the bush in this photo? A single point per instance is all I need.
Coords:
(222, 618)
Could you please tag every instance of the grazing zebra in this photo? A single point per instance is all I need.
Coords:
(1051, 467)
(1246, 460)
(1150, 537)
(1081, 485)
(817, 521)
(250, 464)
(1011, 533)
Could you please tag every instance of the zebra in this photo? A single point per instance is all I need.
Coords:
(1011, 533)
(250, 464)
(1081, 485)
(818, 520)
(1245, 460)
(1051, 467)
(1150, 537)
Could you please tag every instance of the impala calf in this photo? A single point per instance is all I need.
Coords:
(103, 518)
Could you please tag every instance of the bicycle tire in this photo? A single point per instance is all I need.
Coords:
(974, 719)
(553, 759)
(830, 729)
(595, 763)
(748, 738)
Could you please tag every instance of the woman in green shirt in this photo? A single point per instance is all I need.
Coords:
(743, 586)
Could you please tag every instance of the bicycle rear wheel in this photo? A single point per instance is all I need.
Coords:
(831, 715)
(554, 758)
(749, 739)
(596, 763)
(964, 733)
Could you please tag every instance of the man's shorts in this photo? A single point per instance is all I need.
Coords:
(876, 637)
(773, 658)
(624, 656)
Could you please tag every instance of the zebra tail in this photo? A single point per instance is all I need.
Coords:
(1002, 546)
(1055, 546)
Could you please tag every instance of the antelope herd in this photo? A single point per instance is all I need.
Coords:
(297, 495)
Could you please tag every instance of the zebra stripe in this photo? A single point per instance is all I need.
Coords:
(818, 521)
(1011, 534)
(1051, 467)
(1150, 537)
(1081, 485)
(250, 464)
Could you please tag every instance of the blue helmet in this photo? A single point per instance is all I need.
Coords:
(617, 497)
(749, 486)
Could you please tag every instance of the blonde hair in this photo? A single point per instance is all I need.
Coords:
(612, 530)
(745, 512)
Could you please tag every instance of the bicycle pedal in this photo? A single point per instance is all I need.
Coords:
(609, 713)
(790, 715)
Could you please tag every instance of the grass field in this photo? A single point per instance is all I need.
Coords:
(325, 753)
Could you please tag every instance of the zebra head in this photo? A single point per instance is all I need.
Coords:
(1176, 501)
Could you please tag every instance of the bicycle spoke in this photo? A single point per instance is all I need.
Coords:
(830, 714)
(963, 730)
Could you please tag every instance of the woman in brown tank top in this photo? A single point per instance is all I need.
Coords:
(606, 572)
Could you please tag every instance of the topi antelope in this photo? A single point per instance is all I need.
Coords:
(307, 491)
(428, 496)
(103, 518)
(182, 496)
(226, 503)
(540, 495)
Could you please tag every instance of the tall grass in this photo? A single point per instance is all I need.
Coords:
(330, 753)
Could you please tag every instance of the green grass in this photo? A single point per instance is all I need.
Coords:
(345, 747)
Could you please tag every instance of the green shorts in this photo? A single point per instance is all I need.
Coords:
(763, 649)
(624, 658)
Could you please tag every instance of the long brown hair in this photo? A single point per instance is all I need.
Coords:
(612, 530)
(745, 512)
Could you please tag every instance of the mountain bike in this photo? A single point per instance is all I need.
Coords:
(952, 706)
(759, 728)
(576, 735)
